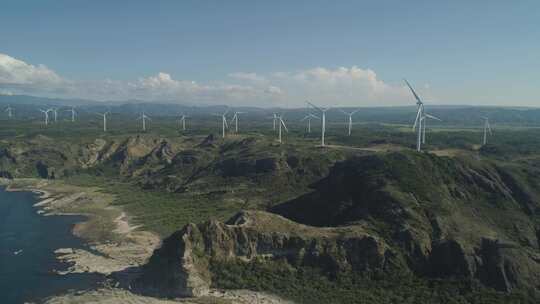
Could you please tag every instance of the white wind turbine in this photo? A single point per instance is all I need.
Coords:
(235, 119)
(143, 118)
(223, 122)
(73, 113)
(281, 123)
(424, 124)
(487, 128)
(419, 118)
(274, 118)
(350, 114)
(323, 120)
(9, 110)
(104, 120)
(55, 112)
(46, 113)
(182, 121)
(309, 117)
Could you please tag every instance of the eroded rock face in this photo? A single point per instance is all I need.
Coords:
(446, 217)
(177, 269)
(180, 266)
(449, 259)
(498, 269)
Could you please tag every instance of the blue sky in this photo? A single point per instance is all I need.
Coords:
(274, 52)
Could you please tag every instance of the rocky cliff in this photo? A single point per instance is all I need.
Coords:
(446, 217)
(181, 266)
(433, 217)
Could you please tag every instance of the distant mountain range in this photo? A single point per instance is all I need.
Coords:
(27, 106)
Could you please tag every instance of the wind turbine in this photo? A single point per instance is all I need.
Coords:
(104, 120)
(46, 112)
(235, 119)
(274, 118)
(281, 123)
(419, 118)
(323, 125)
(144, 117)
(182, 121)
(73, 113)
(487, 128)
(309, 117)
(350, 114)
(55, 112)
(424, 120)
(223, 122)
(9, 110)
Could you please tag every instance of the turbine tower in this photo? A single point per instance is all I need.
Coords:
(104, 120)
(235, 119)
(487, 128)
(46, 112)
(281, 123)
(350, 114)
(419, 118)
(73, 113)
(323, 120)
(182, 121)
(309, 117)
(223, 122)
(144, 117)
(9, 110)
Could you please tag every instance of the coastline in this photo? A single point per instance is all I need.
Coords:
(117, 253)
(115, 245)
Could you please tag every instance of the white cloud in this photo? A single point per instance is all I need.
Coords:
(17, 72)
(339, 86)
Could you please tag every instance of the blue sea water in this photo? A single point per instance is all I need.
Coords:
(27, 244)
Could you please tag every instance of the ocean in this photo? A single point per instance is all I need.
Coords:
(27, 244)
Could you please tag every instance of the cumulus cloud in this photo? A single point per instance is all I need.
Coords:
(19, 73)
(340, 86)
(343, 86)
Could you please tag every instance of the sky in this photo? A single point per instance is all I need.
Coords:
(273, 53)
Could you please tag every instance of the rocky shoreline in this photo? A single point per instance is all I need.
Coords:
(118, 257)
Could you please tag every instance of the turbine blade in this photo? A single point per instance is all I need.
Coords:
(413, 92)
(284, 126)
(309, 103)
(432, 117)
(418, 114)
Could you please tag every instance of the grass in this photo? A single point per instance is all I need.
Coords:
(159, 211)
